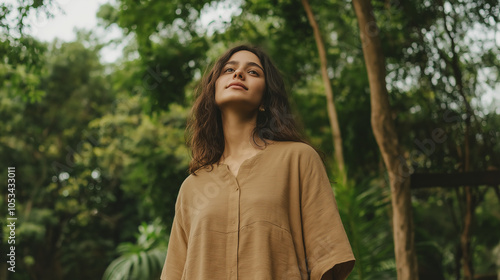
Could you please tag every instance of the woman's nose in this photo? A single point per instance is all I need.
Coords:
(238, 73)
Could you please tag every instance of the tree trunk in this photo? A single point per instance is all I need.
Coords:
(332, 112)
(465, 236)
(387, 139)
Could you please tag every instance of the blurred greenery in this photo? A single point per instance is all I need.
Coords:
(99, 148)
(143, 260)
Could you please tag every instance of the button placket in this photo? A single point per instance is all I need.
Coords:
(233, 227)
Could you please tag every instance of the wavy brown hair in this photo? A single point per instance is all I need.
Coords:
(204, 134)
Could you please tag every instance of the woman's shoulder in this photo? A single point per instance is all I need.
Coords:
(191, 185)
(200, 175)
(296, 147)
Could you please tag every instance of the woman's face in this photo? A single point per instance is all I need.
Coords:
(241, 83)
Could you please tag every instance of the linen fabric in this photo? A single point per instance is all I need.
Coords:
(277, 219)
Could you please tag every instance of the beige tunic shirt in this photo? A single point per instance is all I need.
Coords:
(277, 219)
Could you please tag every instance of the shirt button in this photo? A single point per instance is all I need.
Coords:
(236, 189)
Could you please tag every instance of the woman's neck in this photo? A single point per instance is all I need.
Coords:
(238, 131)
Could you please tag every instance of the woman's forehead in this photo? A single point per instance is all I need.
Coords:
(244, 57)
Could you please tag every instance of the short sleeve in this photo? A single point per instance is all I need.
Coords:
(326, 243)
(176, 252)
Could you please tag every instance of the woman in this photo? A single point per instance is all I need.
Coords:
(258, 203)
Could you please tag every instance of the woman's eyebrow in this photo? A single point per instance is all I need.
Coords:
(248, 63)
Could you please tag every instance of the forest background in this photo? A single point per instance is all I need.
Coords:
(99, 149)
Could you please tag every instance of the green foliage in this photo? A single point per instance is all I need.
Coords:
(143, 260)
(21, 56)
(171, 48)
(21, 68)
(102, 150)
(365, 211)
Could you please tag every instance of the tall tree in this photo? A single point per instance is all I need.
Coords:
(330, 104)
(387, 138)
(453, 62)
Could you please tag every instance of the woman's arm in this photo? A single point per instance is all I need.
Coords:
(326, 244)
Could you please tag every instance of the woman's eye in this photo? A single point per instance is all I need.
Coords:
(253, 72)
(229, 70)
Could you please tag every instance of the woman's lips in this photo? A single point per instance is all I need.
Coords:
(237, 86)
